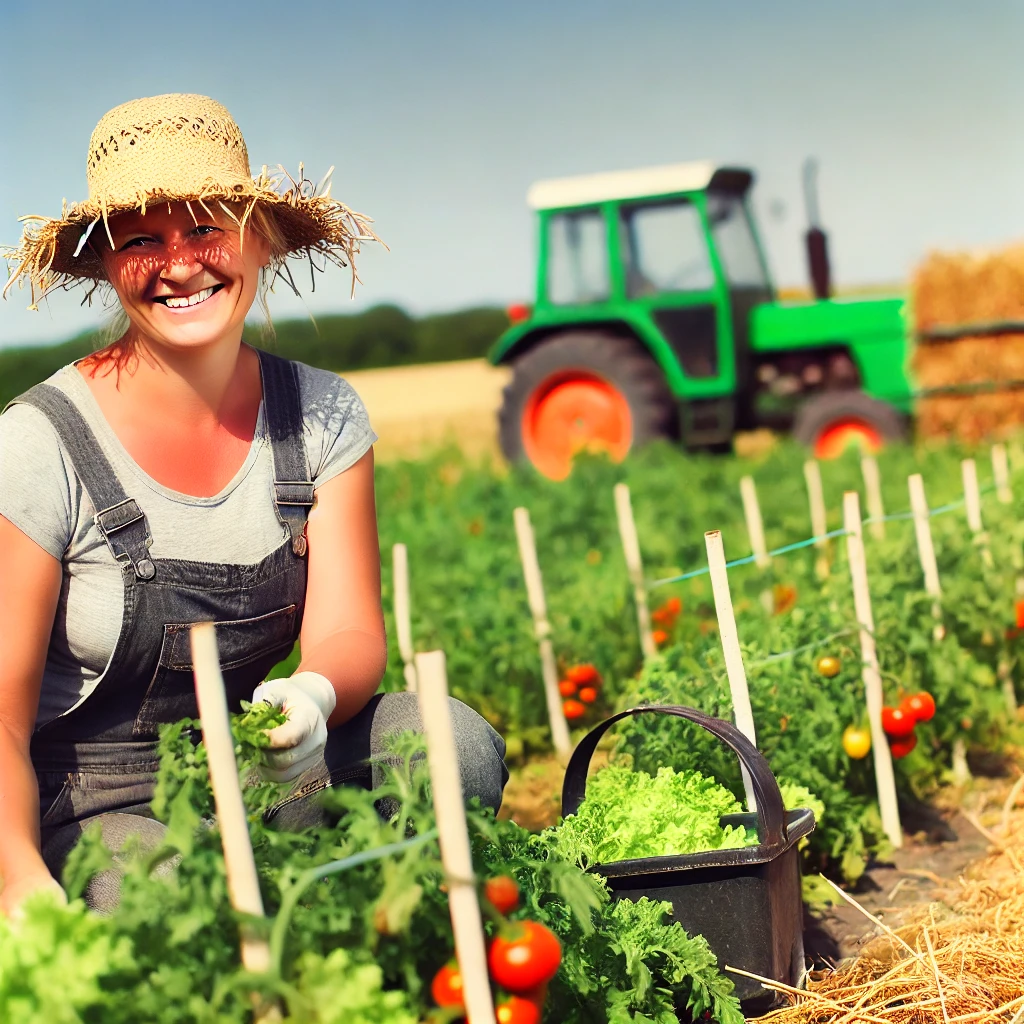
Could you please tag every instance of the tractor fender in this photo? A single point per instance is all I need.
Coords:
(518, 341)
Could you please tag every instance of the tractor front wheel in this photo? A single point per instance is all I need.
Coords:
(583, 391)
(832, 421)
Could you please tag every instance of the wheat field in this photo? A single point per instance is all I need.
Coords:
(415, 409)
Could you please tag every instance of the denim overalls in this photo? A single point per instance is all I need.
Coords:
(99, 758)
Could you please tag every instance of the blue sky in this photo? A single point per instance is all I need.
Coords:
(438, 116)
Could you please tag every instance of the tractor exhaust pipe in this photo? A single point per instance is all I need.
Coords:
(815, 240)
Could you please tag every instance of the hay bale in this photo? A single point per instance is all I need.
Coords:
(950, 289)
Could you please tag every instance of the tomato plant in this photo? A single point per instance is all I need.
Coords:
(503, 893)
(897, 722)
(516, 1010)
(582, 675)
(446, 988)
(903, 746)
(573, 710)
(920, 705)
(524, 956)
(856, 742)
(829, 666)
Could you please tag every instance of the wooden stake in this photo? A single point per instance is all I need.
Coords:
(873, 494)
(755, 525)
(755, 531)
(960, 768)
(403, 619)
(453, 836)
(1004, 672)
(1001, 473)
(819, 522)
(884, 777)
(729, 635)
(239, 863)
(542, 630)
(631, 549)
(926, 548)
(972, 506)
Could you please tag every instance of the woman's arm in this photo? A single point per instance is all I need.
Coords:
(30, 581)
(343, 627)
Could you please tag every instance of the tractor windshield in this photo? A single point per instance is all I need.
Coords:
(735, 242)
(577, 258)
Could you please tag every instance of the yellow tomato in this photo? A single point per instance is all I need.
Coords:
(856, 742)
(829, 666)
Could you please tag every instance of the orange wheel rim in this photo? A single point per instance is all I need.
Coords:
(572, 412)
(842, 434)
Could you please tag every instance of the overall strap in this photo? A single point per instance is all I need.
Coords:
(293, 489)
(119, 518)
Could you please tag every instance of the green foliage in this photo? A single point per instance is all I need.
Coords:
(468, 598)
(632, 814)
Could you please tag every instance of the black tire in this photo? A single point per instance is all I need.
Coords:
(622, 362)
(830, 407)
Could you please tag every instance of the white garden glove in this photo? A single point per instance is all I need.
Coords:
(307, 698)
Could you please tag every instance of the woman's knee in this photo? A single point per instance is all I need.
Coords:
(481, 750)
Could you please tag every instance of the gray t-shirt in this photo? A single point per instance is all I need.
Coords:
(41, 495)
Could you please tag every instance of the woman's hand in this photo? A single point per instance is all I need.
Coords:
(13, 897)
(307, 699)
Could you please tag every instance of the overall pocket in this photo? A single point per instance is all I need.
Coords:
(248, 649)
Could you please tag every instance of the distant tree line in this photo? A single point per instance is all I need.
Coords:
(380, 336)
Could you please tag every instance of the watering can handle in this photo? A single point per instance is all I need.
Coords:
(771, 814)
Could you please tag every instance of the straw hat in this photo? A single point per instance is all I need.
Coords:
(174, 148)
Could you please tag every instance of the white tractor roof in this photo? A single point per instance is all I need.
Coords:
(646, 181)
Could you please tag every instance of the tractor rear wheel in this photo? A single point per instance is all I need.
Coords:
(583, 391)
(831, 421)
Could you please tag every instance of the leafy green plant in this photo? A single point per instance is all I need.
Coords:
(632, 814)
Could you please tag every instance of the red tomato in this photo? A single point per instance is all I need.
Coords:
(1019, 609)
(582, 674)
(897, 723)
(567, 688)
(524, 957)
(516, 1011)
(588, 695)
(667, 613)
(902, 747)
(446, 987)
(659, 636)
(503, 893)
(920, 705)
(573, 709)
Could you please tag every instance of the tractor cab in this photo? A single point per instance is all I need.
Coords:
(649, 287)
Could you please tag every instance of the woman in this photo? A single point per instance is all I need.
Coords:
(181, 476)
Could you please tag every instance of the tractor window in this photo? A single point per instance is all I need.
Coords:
(734, 239)
(577, 258)
(665, 250)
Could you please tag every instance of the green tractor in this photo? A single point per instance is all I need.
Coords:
(655, 317)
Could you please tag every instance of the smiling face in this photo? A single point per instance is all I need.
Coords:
(183, 284)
